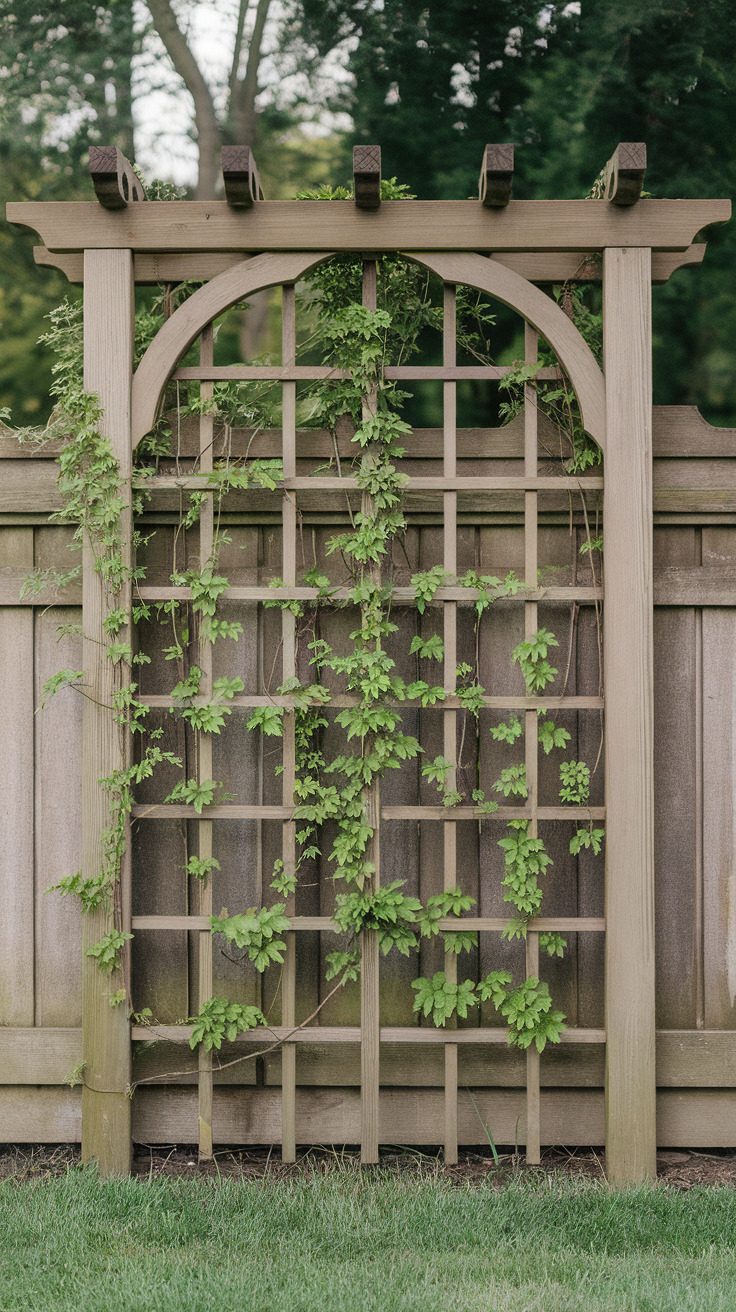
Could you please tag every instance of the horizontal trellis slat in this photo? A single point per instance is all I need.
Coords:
(231, 811)
(491, 924)
(450, 702)
(316, 373)
(351, 1034)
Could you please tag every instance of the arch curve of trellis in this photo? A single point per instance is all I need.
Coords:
(469, 269)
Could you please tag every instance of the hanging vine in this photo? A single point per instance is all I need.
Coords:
(360, 342)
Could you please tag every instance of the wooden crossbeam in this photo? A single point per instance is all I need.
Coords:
(564, 266)
(292, 225)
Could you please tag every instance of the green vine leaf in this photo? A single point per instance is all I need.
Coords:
(194, 794)
(107, 952)
(63, 679)
(553, 944)
(92, 891)
(441, 999)
(531, 1017)
(386, 910)
(269, 719)
(256, 930)
(219, 1019)
(531, 656)
(201, 867)
(425, 585)
(432, 648)
(512, 782)
(575, 781)
(590, 838)
(550, 736)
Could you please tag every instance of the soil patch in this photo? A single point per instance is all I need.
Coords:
(682, 1169)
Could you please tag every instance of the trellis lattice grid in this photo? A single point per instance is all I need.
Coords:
(370, 1034)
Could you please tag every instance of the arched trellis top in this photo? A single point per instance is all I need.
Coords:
(469, 269)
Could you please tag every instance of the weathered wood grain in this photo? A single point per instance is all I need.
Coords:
(57, 823)
(719, 781)
(685, 1059)
(628, 673)
(674, 585)
(522, 225)
(675, 817)
(556, 267)
(42, 1055)
(575, 266)
(703, 1118)
(678, 431)
(16, 820)
(625, 170)
(108, 358)
(44, 1115)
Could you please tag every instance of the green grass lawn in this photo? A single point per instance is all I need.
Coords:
(340, 1242)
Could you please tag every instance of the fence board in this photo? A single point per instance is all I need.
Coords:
(16, 820)
(675, 818)
(58, 829)
(719, 783)
(685, 1058)
(688, 1118)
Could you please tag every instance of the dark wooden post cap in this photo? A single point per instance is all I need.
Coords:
(240, 174)
(496, 175)
(367, 176)
(113, 178)
(625, 171)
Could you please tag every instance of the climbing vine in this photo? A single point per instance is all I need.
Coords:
(360, 342)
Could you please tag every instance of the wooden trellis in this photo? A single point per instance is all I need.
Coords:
(501, 248)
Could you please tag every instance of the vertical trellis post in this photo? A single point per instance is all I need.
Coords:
(108, 359)
(531, 721)
(449, 610)
(204, 756)
(288, 633)
(370, 1033)
(628, 672)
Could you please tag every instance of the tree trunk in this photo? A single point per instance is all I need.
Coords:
(243, 105)
(208, 132)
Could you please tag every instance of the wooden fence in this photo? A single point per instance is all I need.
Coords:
(492, 500)
(695, 668)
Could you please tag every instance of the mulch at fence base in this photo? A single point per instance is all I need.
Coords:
(682, 1169)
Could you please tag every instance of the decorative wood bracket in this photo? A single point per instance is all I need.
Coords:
(113, 178)
(240, 174)
(496, 176)
(367, 176)
(625, 171)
